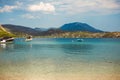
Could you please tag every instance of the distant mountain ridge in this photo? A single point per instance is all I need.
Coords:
(41, 29)
(70, 27)
(21, 29)
(78, 26)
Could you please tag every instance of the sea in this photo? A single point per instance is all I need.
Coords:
(61, 59)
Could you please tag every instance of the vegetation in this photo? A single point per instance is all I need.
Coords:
(20, 31)
(84, 35)
(4, 32)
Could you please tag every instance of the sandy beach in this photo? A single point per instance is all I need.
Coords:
(62, 77)
(102, 71)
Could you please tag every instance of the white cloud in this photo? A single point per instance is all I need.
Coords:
(66, 6)
(11, 19)
(84, 6)
(7, 8)
(45, 7)
(10, 8)
(28, 16)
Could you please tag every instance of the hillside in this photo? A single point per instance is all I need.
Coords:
(78, 26)
(70, 27)
(70, 30)
(86, 35)
(21, 30)
(4, 32)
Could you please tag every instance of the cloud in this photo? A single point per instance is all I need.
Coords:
(65, 6)
(28, 16)
(7, 8)
(85, 6)
(11, 19)
(10, 8)
(45, 7)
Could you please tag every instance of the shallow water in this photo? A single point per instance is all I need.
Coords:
(61, 59)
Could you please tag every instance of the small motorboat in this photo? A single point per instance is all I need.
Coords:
(79, 40)
(6, 40)
(29, 38)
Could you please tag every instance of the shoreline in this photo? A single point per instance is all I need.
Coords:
(62, 77)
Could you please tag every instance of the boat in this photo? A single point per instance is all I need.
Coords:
(29, 38)
(7, 40)
(79, 40)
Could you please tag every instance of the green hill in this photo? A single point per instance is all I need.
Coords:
(4, 32)
(21, 30)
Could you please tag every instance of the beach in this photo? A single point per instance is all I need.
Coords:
(83, 71)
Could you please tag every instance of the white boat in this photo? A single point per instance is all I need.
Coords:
(6, 40)
(29, 38)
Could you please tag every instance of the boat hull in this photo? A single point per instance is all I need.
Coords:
(6, 42)
(28, 39)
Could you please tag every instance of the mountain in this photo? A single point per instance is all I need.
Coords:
(77, 26)
(70, 27)
(52, 31)
(2, 29)
(41, 29)
(4, 32)
(16, 29)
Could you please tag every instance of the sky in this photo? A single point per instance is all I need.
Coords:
(101, 14)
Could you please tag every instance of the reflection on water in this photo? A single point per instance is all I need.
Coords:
(50, 57)
(81, 49)
(3, 45)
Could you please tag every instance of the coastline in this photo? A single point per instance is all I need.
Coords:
(82, 35)
(97, 72)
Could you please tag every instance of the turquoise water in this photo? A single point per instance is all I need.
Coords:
(44, 56)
